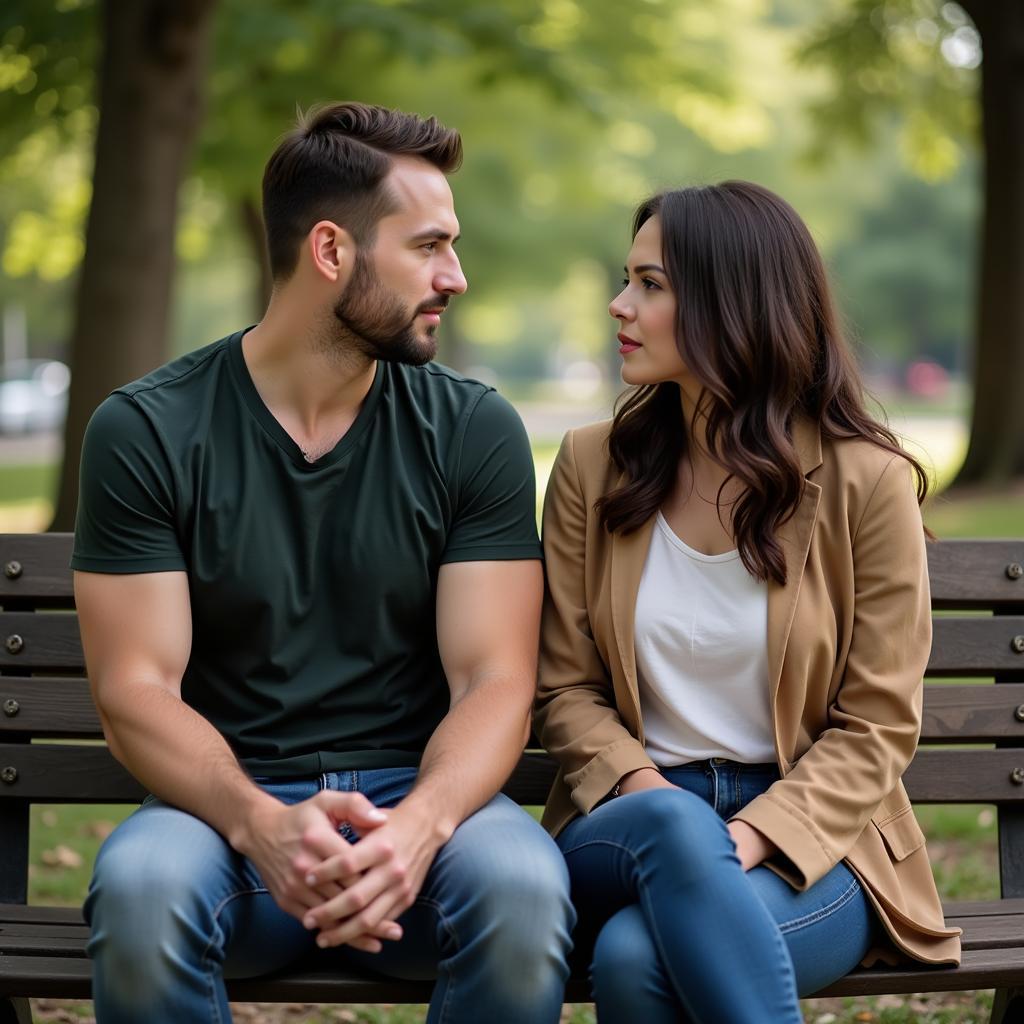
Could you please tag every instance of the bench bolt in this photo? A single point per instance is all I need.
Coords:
(9, 775)
(1019, 713)
(11, 707)
(1017, 643)
(12, 570)
(1017, 776)
(14, 644)
(1015, 570)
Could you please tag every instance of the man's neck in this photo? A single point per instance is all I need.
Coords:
(313, 390)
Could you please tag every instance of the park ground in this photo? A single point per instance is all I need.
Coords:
(961, 840)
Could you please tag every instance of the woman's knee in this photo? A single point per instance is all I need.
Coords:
(681, 825)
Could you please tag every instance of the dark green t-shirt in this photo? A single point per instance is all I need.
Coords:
(312, 584)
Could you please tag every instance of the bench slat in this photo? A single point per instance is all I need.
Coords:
(49, 707)
(972, 574)
(960, 646)
(62, 707)
(47, 642)
(964, 573)
(69, 978)
(976, 646)
(964, 776)
(44, 559)
(967, 714)
(67, 773)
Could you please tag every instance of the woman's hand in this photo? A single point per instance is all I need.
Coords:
(751, 846)
(643, 778)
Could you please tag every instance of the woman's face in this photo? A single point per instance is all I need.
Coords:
(646, 311)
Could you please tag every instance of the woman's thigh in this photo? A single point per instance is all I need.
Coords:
(828, 928)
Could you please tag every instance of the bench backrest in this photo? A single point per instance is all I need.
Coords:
(977, 594)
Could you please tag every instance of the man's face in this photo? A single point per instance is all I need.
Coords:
(398, 289)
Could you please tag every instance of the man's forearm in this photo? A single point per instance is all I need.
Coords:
(471, 754)
(180, 757)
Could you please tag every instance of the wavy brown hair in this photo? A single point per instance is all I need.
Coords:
(756, 326)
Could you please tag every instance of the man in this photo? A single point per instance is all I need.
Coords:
(308, 584)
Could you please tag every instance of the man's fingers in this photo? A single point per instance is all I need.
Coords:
(355, 860)
(351, 901)
(376, 918)
(351, 807)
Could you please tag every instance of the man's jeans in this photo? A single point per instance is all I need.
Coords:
(679, 932)
(173, 910)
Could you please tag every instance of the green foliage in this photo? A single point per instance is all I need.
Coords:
(915, 59)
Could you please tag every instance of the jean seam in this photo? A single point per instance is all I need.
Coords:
(205, 959)
(822, 912)
(439, 910)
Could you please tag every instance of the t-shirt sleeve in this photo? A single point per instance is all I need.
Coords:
(125, 521)
(495, 517)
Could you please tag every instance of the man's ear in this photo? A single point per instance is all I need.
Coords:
(331, 251)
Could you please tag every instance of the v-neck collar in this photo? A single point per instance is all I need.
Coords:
(270, 425)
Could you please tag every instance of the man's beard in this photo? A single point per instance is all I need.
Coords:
(374, 320)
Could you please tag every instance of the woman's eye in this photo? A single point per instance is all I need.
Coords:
(625, 281)
(650, 285)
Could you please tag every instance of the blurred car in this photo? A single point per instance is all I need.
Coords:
(33, 396)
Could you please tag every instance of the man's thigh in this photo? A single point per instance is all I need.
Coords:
(499, 871)
(165, 869)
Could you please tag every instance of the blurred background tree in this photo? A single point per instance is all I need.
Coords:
(915, 61)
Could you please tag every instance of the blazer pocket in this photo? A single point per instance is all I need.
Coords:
(901, 834)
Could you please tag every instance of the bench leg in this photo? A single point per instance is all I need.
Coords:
(14, 1010)
(1008, 1006)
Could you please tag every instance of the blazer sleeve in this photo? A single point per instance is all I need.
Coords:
(576, 718)
(815, 813)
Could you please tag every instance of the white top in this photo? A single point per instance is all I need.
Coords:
(702, 655)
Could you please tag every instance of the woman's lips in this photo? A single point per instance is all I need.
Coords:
(627, 344)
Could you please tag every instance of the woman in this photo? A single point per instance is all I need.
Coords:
(734, 636)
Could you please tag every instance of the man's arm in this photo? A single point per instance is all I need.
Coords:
(137, 635)
(488, 619)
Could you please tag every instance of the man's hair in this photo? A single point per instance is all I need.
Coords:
(332, 166)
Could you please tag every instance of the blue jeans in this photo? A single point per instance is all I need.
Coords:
(174, 910)
(679, 932)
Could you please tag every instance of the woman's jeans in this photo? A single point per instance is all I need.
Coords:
(173, 910)
(679, 931)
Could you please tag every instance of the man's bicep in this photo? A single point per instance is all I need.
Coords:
(488, 620)
(135, 628)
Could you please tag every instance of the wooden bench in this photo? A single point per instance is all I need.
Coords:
(44, 697)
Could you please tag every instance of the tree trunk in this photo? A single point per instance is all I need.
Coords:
(996, 451)
(150, 100)
(252, 224)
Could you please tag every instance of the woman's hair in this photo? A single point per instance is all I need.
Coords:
(756, 326)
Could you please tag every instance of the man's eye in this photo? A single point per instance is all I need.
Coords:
(429, 246)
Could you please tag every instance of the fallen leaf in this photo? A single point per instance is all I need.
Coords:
(100, 829)
(61, 857)
(48, 818)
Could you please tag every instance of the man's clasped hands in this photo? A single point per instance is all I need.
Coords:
(349, 892)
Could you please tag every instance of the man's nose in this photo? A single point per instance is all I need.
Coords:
(451, 280)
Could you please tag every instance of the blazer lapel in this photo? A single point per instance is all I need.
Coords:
(795, 537)
(629, 553)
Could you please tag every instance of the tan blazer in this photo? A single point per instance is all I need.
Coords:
(848, 641)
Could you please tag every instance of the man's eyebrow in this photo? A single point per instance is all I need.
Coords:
(435, 235)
